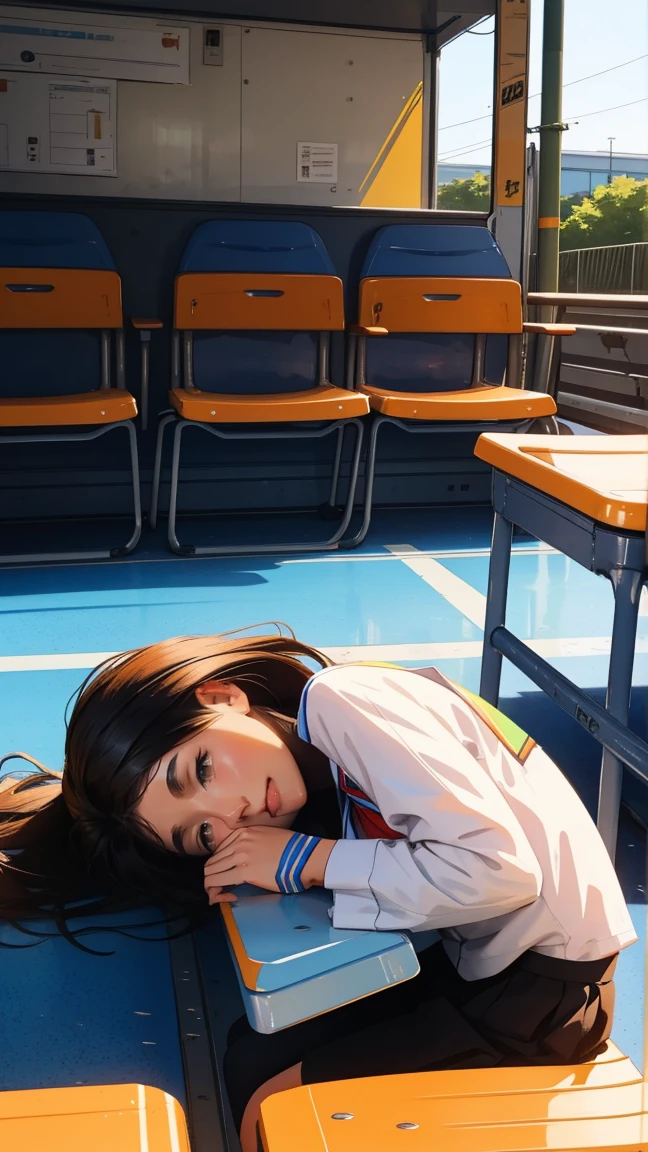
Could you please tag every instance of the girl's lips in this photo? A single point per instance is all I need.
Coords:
(273, 798)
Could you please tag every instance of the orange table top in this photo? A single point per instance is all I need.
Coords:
(605, 477)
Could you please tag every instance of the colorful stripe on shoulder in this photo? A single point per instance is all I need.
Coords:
(512, 736)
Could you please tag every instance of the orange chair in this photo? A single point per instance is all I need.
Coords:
(450, 318)
(569, 1108)
(61, 317)
(128, 1117)
(255, 304)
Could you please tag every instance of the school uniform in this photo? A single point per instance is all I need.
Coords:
(452, 819)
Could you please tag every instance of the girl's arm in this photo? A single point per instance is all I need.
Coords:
(414, 747)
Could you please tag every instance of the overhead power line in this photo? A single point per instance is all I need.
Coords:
(570, 83)
(583, 115)
(464, 151)
(455, 153)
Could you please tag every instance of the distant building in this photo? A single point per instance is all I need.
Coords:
(582, 172)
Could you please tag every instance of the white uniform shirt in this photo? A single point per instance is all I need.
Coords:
(500, 854)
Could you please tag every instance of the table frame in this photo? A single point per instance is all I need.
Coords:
(610, 552)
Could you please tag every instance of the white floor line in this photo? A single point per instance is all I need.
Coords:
(462, 596)
(643, 602)
(55, 662)
(550, 648)
(440, 554)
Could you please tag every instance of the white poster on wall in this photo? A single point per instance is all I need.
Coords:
(48, 124)
(317, 163)
(158, 54)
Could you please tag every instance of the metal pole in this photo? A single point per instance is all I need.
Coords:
(611, 139)
(551, 129)
(434, 58)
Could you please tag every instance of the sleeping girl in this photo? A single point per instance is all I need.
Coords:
(198, 764)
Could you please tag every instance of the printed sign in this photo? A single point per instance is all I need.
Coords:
(317, 163)
(159, 53)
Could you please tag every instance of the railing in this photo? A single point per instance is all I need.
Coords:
(600, 375)
(616, 268)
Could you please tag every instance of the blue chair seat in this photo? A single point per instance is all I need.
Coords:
(292, 964)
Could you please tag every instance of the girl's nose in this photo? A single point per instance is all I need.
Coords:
(234, 812)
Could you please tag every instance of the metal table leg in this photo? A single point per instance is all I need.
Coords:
(498, 578)
(627, 592)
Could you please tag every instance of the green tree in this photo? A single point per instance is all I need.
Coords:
(471, 194)
(569, 202)
(615, 213)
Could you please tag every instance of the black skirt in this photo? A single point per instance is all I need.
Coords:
(540, 1010)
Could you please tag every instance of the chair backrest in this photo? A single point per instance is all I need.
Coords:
(436, 288)
(251, 296)
(58, 290)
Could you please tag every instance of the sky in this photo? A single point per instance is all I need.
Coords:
(594, 41)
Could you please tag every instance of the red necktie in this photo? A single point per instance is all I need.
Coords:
(366, 815)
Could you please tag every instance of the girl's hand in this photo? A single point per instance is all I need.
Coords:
(251, 856)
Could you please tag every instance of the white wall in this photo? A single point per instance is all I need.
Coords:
(317, 86)
(232, 133)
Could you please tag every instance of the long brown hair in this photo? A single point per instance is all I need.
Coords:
(72, 843)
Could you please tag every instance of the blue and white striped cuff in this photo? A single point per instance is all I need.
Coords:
(294, 857)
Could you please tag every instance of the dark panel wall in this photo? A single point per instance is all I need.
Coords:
(147, 239)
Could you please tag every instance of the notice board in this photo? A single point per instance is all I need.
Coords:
(58, 124)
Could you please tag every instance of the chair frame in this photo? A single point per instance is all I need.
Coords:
(94, 434)
(182, 368)
(356, 367)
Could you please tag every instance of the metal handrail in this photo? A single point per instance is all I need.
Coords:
(610, 330)
(546, 366)
(587, 300)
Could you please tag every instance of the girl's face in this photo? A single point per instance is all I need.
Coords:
(236, 772)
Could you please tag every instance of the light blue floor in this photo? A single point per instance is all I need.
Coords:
(354, 600)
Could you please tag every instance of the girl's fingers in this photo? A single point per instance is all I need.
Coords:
(223, 853)
(233, 876)
(228, 840)
(222, 898)
(218, 867)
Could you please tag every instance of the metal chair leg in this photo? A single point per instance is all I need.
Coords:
(546, 425)
(498, 577)
(627, 593)
(85, 437)
(137, 495)
(174, 543)
(353, 481)
(370, 469)
(330, 510)
(335, 479)
(157, 468)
